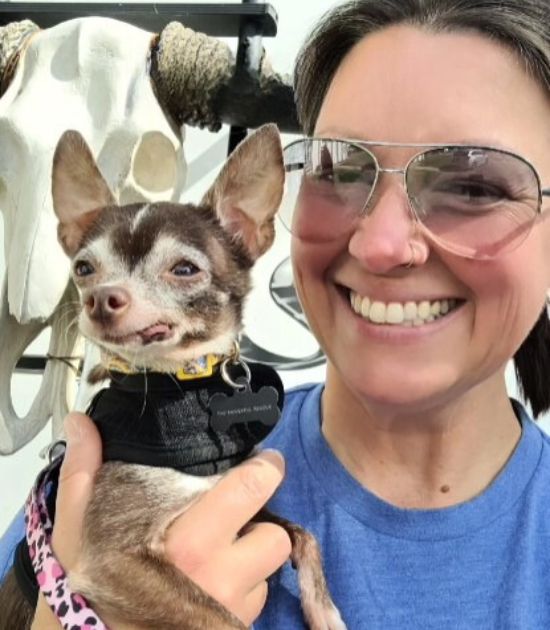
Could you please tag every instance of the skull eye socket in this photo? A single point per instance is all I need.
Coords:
(83, 268)
(155, 163)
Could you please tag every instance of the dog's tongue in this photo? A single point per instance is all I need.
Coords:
(157, 332)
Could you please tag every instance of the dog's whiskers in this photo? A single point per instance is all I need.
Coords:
(145, 390)
(75, 304)
(177, 383)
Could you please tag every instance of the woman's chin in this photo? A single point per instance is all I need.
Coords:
(407, 391)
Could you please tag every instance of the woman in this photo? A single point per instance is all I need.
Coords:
(421, 253)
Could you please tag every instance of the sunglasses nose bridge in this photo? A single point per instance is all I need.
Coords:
(392, 170)
(369, 206)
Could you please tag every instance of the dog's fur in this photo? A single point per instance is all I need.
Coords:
(161, 284)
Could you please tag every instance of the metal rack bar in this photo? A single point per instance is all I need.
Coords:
(248, 62)
(216, 19)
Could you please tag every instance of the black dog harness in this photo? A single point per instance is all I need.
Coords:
(158, 420)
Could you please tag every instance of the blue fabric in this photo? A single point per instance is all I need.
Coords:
(484, 564)
(9, 540)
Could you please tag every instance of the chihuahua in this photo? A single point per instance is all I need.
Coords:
(162, 288)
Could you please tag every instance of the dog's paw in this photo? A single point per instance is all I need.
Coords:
(325, 617)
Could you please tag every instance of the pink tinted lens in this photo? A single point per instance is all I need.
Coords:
(476, 202)
(328, 183)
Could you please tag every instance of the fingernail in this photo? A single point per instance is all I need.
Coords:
(272, 455)
(73, 431)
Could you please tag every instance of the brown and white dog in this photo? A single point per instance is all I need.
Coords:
(163, 285)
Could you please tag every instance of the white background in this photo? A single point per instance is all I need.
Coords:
(18, 471)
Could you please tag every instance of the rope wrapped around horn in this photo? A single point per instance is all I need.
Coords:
(197, 82)
(13, 38)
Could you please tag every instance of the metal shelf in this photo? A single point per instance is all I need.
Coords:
(215, 19)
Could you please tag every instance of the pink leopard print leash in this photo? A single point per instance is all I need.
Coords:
(70, 608)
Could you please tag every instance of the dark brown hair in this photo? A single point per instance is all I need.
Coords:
(521, 25)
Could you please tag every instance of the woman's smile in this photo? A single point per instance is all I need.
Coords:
(408, 312)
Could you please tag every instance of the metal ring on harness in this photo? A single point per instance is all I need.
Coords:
(227, 377)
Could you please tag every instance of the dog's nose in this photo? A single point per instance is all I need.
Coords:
(107, 303)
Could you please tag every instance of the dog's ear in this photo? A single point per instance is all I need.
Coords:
(249, 188)
(79, 190)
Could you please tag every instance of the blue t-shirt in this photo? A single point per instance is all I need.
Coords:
(481, 565)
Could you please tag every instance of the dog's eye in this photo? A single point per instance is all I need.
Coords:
(83, 268)
(185, 269)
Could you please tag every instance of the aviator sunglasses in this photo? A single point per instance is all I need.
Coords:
(474, 201)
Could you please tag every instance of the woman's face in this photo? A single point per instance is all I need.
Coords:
(406, 85)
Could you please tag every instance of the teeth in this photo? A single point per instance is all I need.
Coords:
(407, 314)
(394, 313)
(424, 310)
(377, 312)
(410, 309)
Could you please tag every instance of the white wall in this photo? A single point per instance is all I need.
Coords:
(18, 471)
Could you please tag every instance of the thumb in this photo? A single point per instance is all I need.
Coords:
(76, 481)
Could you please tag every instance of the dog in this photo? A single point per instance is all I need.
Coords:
(162, 288)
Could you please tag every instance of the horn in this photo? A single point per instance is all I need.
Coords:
(13, 38)
(59, 380)
(197, 82)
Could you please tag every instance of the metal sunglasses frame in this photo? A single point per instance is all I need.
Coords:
(363, 145)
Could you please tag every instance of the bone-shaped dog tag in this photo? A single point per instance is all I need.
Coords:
(243, 406)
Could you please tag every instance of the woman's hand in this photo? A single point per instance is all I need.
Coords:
(76, 481)
(202, 543)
